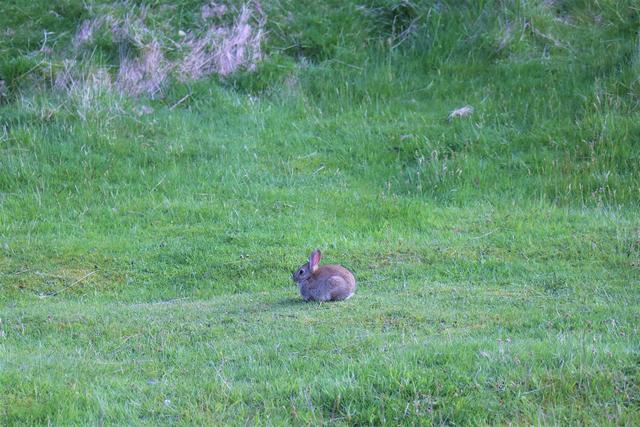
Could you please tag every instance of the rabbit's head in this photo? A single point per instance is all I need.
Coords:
(306, 270)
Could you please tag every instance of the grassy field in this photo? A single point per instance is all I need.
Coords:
(147, 242)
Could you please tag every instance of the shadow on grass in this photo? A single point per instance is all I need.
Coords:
(298, 302)
(290, 302)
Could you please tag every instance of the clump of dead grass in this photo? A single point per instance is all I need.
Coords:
(145, 74)
(224, 50)
(144, 68)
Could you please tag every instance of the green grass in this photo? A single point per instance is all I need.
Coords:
(145, 259)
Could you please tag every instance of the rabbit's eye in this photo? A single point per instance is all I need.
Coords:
(301, 271)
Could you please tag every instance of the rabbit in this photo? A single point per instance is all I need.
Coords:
(326, 283)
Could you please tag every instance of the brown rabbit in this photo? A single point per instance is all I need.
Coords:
(326, 283)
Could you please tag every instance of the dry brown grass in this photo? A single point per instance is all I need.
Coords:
(224, 50)
(145, 69)
(145, 74)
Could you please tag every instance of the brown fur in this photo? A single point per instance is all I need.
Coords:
(326, 283)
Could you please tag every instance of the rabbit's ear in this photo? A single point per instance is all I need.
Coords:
(314, 259)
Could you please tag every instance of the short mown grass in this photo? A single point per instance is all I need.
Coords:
(146, 245)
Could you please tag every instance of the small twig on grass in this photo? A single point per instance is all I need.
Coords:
(158, 184)
(30, 70)
(484, 235)
(52, 294)
(44, 42)
(533, 391)
(547, 37)
(346, 64)
(180, 101)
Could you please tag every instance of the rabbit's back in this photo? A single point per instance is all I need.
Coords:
(332, 282)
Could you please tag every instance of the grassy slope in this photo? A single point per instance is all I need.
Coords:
(497, 255)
